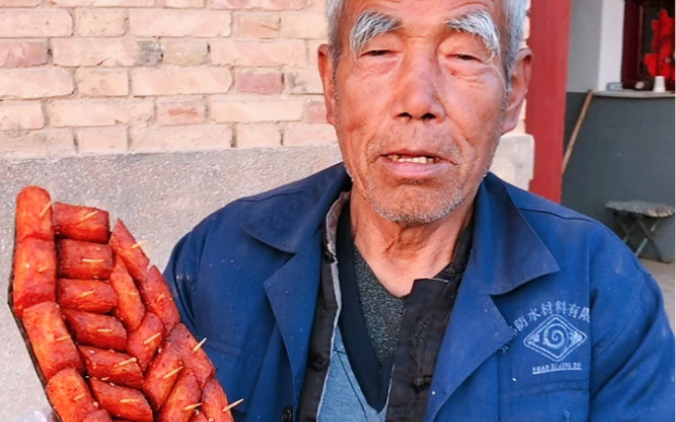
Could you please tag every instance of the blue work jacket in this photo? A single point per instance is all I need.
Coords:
(555, 319)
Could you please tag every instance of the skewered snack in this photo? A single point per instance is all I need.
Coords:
(86, 295)
(101, 324)
(81, 223)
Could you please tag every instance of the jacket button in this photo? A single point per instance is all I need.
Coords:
(287, 414)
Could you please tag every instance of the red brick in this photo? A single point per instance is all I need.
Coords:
(182, 4)
(102, 140)
(21, 116)
(105, 52)
(18, 23)
(102, 82)
(257, 4)
(77, 112)
(258, 135)
(304, 81)
(185, 51)
(100, 22)
(102, 3)
(23, 54)
(315, 111)
(169, 80)
(254, 53)
(181, 138)
(259, 81)
(304, 25)
(37, 143)
(255, 108)
(257, 25)
(179, 23)
(180, 112)
(296, 134)
(20, 3)
(35, 83)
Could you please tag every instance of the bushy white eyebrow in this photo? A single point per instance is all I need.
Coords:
(370, 24)
(481, 24)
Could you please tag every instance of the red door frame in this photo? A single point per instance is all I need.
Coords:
(546, 100)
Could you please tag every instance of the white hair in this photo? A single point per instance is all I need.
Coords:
(369, 24)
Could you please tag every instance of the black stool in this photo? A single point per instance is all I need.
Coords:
(641, 215)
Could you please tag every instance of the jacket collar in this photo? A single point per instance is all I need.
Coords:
(287, 228)
(507, 250)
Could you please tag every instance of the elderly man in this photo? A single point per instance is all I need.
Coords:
(407, 284)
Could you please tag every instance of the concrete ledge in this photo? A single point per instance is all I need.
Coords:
(160, 197)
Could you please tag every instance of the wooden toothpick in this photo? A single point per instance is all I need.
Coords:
(199, 345)
(192, 407)
(45, 209)
(88, 215)
(172, 373)
(233, 404)
(151, 338)
(139, 244)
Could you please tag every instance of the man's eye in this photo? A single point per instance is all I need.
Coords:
(465, 57)
(376, 53)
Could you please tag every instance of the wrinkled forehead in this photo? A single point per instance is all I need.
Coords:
(421, 13)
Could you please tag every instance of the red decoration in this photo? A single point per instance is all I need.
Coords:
(661, 61)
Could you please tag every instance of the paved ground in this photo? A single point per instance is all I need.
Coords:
(664, 274)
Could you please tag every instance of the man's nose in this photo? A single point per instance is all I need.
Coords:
(418, 91)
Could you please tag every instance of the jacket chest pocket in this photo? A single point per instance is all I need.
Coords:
(547, 405)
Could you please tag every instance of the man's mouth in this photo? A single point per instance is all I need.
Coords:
(419, 159)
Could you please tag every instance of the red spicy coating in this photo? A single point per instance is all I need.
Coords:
(162, 375)
(85, 295)
(52, 345)
(81, 223)
(144, 341)
(34, 274)
(158, 299)
(34, 214)
(83, 260)
(123, 243)
(130, 309)
(96, 330)
(122, 402)
(108, 365)
(196, 360)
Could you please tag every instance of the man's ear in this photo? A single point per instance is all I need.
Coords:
(326, 73)
(520, 81)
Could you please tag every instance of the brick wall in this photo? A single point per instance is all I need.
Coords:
(119, 76)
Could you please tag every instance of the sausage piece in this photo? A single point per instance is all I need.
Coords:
(194, 357)
(144, 341)
(98, 416)
(130, 309)
(34, 214)
(34, 274)
(52, 345)
(70, 396)
(84, 260)
(122, 402)
(214, 401)
(108, 365)
(158, 299)
(81, 223)
(124, 245)
(85, 295)
(180, 405)
(96, 330)
(162, 375)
